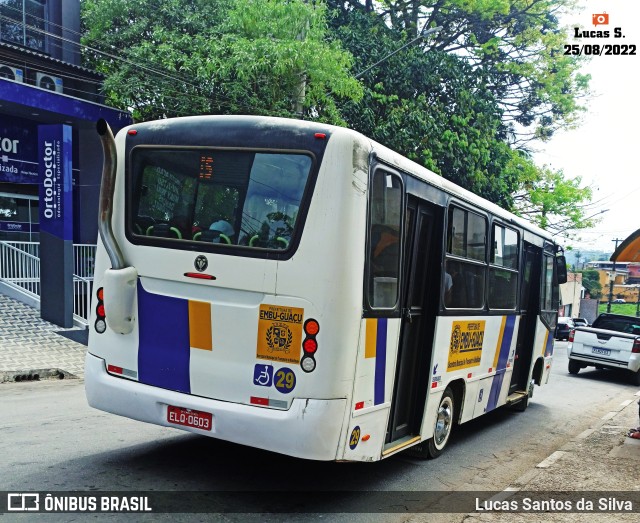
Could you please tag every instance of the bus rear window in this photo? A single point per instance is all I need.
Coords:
(230, 198)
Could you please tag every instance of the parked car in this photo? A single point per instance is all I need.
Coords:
(580, 322)
(563, 328)
(619, 300)
(613, 342)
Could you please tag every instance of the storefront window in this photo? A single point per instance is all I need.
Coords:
(18, 218)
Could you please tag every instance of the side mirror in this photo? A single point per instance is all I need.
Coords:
(561, 269)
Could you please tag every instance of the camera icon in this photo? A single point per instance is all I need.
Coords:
(600, 19)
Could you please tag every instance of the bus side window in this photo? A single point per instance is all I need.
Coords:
(384, 238)
(466, 260)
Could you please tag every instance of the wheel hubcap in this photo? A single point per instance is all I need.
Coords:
(443, 422)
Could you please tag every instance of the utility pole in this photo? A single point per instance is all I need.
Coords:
(613, 276)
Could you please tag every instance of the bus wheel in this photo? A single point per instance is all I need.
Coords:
(443, 425)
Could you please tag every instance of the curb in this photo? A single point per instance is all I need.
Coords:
(9, 376)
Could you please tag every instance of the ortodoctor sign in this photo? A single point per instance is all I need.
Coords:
(55, 170)
(18, 152)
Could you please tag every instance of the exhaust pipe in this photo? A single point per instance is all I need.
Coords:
(107, 189)
(119, 282)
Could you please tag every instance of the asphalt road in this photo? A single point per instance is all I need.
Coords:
(51, 440)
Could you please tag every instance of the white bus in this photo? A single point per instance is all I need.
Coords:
(299, 288)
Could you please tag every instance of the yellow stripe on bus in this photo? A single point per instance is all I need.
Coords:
(371, 336)
(499, 345)
(544, 343)
(200, 325)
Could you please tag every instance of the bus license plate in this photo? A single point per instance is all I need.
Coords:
(605, 352)
(189, 418)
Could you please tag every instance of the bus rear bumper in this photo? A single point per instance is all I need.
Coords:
(310, 428)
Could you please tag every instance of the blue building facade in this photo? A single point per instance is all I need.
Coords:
(43, 90)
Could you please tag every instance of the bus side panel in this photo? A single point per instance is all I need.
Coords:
(373, 387)
(477, 350)
(542, 351)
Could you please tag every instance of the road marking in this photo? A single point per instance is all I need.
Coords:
(584, 434)
(609, 415)
(551, 459)
(625, 403)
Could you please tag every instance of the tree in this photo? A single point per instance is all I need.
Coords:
(591, 282)
(176, 57)
(514, 45)
(554, 202)
(444, 109)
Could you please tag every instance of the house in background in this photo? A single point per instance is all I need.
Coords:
(571, 293)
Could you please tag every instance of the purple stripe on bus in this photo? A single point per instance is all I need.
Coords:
(163, 350)
(548, 350)
(496, 384)
(381, 362)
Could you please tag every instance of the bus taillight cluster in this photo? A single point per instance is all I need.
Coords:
(101, 323)
(310, 345)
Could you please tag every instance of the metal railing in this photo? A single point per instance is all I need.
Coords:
(84, 257)
(20, 269)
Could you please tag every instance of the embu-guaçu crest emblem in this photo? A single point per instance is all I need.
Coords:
(279, 338)
(456, 336)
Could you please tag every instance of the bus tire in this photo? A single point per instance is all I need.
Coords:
(443, 425)
(635, 378)
(574, 367)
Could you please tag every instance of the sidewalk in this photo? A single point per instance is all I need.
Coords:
(599, 460)
(29, 345)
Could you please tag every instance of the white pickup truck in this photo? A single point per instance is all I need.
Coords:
(612, 342)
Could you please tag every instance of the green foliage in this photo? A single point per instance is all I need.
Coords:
(554, 202)
(230, 56)
(591, 282)
(463, 101)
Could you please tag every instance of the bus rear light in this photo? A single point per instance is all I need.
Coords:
(311, 327)
(114, 369)
(636, 346)
(132, 132)
(101, 321)
(320, 136)
(360, 405)
(365, 437)
(199, 275)
(308, 363)
(571, 334)
(100, 326)
(310, 346)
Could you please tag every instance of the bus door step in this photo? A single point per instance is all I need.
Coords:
(516, 397)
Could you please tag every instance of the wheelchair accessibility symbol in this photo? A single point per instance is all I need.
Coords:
(263, 375)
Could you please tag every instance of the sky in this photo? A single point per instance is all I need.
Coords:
(605, 149)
